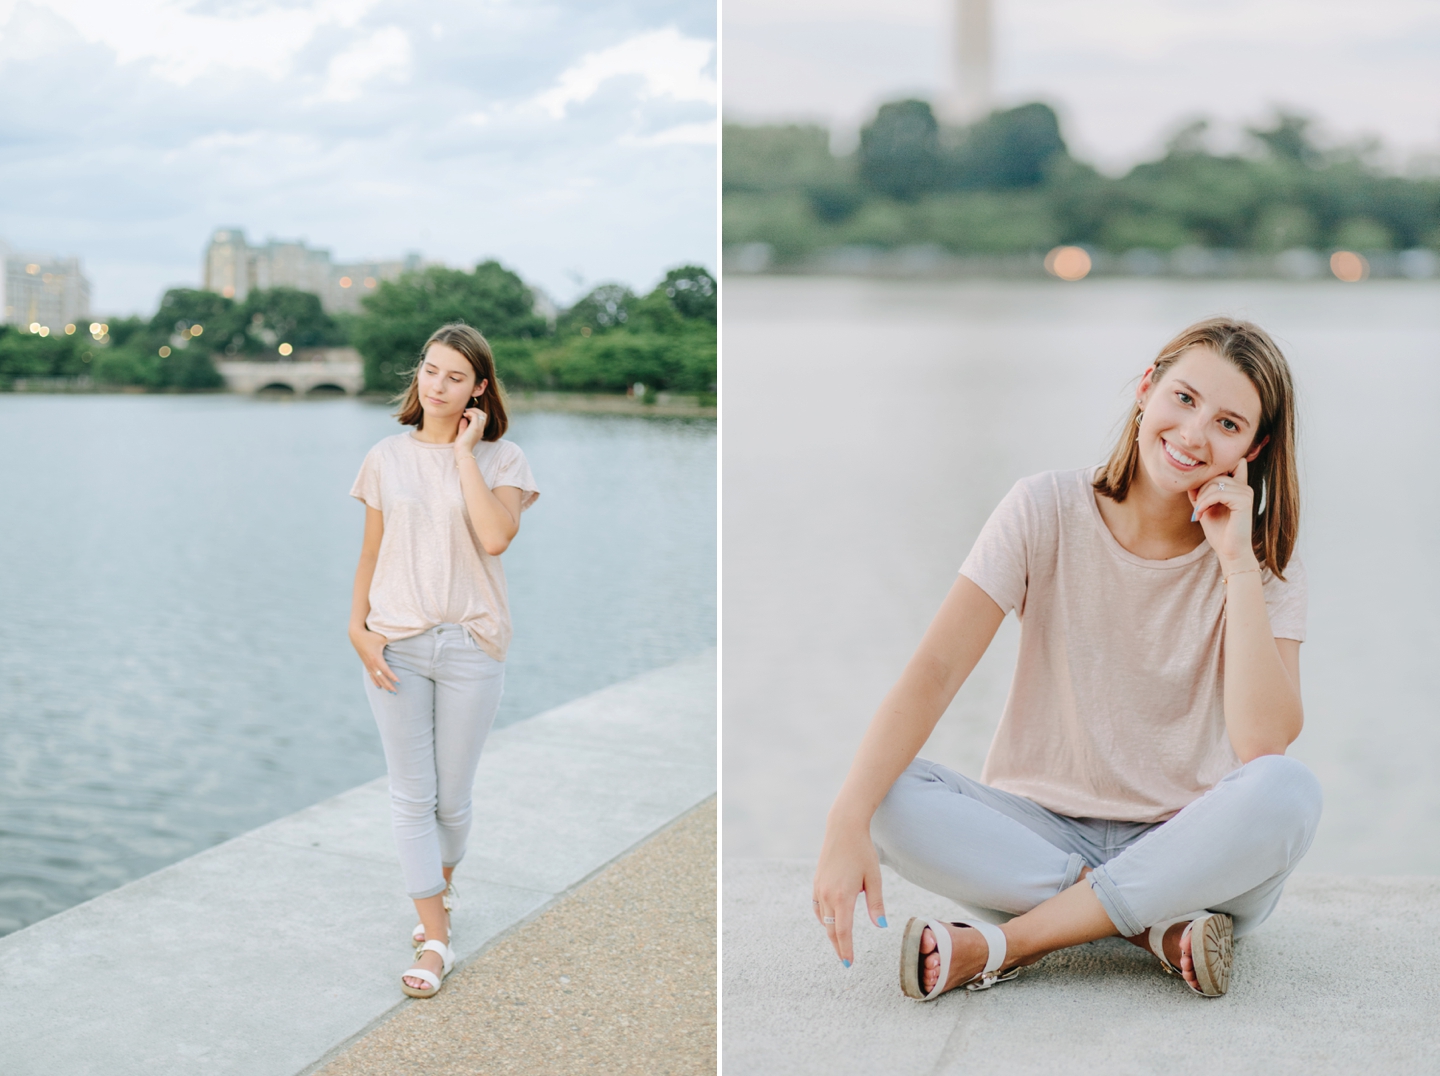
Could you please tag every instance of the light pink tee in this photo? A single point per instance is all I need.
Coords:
(432, 569)
(1116, 709)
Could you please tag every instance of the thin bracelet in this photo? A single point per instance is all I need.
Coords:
(1242, 571)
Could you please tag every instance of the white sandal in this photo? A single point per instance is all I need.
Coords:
(1212, 958)
(447, 957)
(911, 960)
(417, 936)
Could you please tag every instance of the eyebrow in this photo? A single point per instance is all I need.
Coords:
(1193, 391)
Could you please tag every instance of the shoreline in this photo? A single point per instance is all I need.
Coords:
(664, 405)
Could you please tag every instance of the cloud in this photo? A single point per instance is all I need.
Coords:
(385, 52)
(364, 138)
(669, 64)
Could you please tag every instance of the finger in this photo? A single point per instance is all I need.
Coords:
(1242, 472)
(394, 681)
(875, 900)
(826, 912)
(844, 922)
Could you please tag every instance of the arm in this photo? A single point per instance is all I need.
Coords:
(494, 513)
(370, 645)
(1263, 715)
(953, 644)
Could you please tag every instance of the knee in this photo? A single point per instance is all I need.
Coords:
(412, 807)
(1290, 794)
(454, 815)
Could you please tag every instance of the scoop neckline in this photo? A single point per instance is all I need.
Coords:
(1113, 543)
(427, 444)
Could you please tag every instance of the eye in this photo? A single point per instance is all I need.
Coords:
(1229, 426)
(1185, 398)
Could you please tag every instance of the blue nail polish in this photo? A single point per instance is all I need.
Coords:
(844, 961)
(882, 922)
(1193, 517)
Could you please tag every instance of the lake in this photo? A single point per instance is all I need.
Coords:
(175, 576)
(870, 428)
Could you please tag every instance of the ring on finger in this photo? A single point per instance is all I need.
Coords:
(828, 920)
(1222, 487)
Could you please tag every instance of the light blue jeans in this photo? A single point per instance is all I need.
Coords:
(432, 731)
(1001, 854)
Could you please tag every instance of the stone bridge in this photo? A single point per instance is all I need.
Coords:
(318, 372)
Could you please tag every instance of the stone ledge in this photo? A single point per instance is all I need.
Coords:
(261, 955)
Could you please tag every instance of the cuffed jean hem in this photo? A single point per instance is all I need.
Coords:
(432, 893)
(1114, 904)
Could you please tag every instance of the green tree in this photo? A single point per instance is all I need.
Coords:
(402, 314)
(1007, 150)
(601, 309)
(900, 150)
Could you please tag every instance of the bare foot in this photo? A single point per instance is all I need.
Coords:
(431, 962)
(968, 953)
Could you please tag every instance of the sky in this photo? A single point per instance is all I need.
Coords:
(1124, 75)
(572, 140)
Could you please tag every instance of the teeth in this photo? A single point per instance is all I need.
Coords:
(1178, 456)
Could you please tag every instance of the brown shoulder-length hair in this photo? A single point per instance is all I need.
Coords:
(1273, 475)
(476, 349)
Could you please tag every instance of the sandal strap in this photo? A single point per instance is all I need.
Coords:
(995, 942)
(1156, 938)
(420, 973)
(447, 955)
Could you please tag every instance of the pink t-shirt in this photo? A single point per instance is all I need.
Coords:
(1116, 710)
(432, 568)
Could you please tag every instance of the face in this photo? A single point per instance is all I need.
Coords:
(1200, 418)
(446, 382)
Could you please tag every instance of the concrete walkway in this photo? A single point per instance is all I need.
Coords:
(617, 978)
(193, 969)
(1342, 979)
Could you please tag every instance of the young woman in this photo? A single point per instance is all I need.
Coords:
(1137, 784)
(429, 616)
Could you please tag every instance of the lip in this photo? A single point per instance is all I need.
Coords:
(1182, 467)
(435, 401)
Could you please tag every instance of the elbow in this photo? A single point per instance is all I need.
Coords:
(495, 546)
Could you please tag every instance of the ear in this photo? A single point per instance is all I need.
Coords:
(1250, 456)
(1147, 382)
(480, 388)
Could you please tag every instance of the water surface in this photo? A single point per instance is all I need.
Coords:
(175, 578)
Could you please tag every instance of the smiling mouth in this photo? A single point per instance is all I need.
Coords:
(1179, 457)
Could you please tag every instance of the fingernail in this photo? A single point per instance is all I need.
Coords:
(1193, 517)
(882, 922)
(844, 961)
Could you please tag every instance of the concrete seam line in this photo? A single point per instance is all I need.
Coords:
(404, 1002)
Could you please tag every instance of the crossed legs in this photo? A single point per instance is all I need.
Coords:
(1002, 855)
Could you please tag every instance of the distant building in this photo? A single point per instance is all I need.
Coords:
(233, 268)
(43, 290)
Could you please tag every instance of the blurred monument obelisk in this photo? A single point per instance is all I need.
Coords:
(970, 99)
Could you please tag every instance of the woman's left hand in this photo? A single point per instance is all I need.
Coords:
(1225, 506)
(472, 428)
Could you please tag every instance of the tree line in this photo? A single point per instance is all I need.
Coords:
(1009, 184)
(606, 342)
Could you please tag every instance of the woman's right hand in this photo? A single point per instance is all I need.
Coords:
(848, 866)
(370, 645)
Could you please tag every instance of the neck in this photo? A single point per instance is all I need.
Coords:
(439, 431)
(1151, 522)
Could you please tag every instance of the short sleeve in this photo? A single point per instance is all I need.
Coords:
(998, 563)
(367, 482)
(1287, 601)
(511, 468)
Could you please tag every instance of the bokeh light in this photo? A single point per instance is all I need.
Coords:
(1068, 263)
(164, 351)
(196, 330)
(345, 281)
(285, 349)
(70, 330)
(1349, 266)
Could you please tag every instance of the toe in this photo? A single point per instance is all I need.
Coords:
(927, 941)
